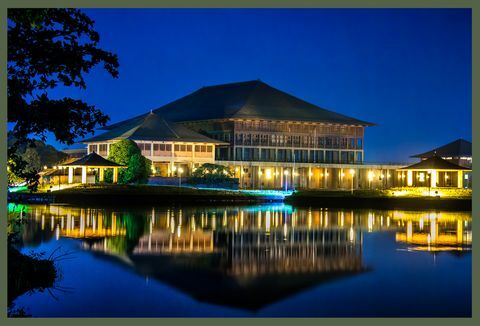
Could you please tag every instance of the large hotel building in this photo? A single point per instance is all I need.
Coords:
(271, 139)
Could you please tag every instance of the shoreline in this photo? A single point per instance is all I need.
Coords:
(132, 195)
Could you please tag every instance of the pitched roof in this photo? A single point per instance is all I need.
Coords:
(93, 159)
(434, 163)
(152, 127)
(246, 100)
(457, 148)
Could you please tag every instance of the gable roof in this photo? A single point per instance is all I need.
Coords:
(152, 127)
(246, 100)
(93, 159)
(434, 163)
(457, 148)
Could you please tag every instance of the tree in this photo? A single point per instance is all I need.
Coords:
(49, 48)
(32, 158)
(126, 152)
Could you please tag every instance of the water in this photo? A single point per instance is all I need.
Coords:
(271, 260)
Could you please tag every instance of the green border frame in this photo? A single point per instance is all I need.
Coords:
(474, 5)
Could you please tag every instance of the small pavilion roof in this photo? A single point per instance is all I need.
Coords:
(153, 127)
(457, 148)
(434, 163)
(94, 160)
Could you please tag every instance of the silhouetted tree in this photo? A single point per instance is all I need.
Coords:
(49, 48)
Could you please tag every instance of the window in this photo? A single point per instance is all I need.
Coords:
(177, 148)
(209, 149)
(92, 148)
(359, 143)
(102, 149)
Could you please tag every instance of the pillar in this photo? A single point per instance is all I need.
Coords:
(356, 176)
(433, 178)
(460, 179)
(325, 178)
(115, 175)
(70, 174)
(101, 176)
(409, 178)
(84, 174)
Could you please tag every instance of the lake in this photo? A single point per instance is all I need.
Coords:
(252, 261)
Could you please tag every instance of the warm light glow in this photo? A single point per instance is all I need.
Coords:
(260, 173)
(342, 174)
(371, 175)
(310, 174)
(174, 168)
(45, 167)
(285, 172)
(421, 177)
(268, 174)
(180, 170)
(352, 172)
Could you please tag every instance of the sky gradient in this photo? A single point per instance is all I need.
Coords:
(407, 70)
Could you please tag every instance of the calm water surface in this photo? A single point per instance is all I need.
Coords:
(272, 260)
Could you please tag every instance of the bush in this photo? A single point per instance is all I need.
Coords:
(212, 172)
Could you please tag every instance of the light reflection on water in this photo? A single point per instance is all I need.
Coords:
(246, 257)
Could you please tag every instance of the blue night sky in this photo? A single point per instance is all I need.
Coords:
(409, 70)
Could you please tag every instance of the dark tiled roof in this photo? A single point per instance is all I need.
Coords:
(457, 148)
(93, 159)
(245, 100)
(434, 163)
(152, 127)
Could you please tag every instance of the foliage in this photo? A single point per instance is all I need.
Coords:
(32, 158)
(213, 172)
(126, 152)
(49, 48)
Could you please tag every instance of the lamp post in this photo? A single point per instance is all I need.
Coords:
(180, 171)
(352, 173)
(286, 179)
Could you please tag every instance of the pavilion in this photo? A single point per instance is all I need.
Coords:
(91, 161)
(434, 172)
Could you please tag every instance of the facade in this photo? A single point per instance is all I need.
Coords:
(271, 139)
(435, 172)
(172, 148)
(458, 152)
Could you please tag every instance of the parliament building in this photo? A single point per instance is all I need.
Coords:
(270, 139)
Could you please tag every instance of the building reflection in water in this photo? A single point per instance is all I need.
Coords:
(274, 249)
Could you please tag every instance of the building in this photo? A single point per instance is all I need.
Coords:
(173, 149)
(458, 152)
(271, 139)
(435, 172)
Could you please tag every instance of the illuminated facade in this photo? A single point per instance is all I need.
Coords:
(434, 172)
(271, 139)
(172, 148)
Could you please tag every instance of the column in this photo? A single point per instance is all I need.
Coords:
(70, 174)
(101, 176)
(325, 178)
(460, 179)
(115, 175)
(433, 179)
(84, 174)
(409, 178)
(309, 183)
(356, 176)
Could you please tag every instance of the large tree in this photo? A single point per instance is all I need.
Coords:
(48, 48)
